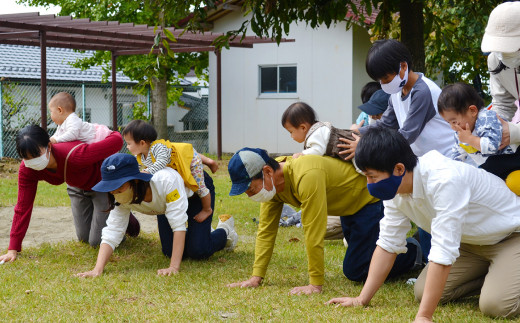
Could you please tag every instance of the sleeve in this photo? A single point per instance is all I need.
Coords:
(503, 101)
(270, 213)
(457, 153)
(89, 154)
(489, 129)
(117, 222)
(27, 186)
(317, 142)
(312, 189)
(388, 120)
(71, 129)
(393, 228)
(450, 214)
(176, 203)
(422, 110)
(162, 156)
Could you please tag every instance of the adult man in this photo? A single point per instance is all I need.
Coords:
(471, 214)
(319, 185)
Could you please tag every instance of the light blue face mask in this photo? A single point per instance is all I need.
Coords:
(386, 189)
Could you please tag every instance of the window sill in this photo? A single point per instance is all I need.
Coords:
(278, 96)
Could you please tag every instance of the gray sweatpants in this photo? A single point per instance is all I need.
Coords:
(88, 210)
(491, 271)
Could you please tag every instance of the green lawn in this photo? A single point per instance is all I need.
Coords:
(40, 285)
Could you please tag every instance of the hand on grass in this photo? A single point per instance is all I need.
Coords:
(346, 301)
(167, 271)
(422, 319)
(307, 290)
(349, 146)
(9, 256)
(254, 282)
(92, 273)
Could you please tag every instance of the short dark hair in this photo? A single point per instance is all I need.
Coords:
(140, 130)
(382, 148)
(385, 57)
(298, 113)
(139, 188)
(369, 89)
(458, 97)
(272, 163)
(30, 140)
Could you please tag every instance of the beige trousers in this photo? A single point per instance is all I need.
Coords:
(491, 271)
(334, 230)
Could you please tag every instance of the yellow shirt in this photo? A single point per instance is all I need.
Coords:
(320, 186)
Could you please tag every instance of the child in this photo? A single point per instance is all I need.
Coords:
(140, 138)
(478, 133)
(373, 106)
(319, 138)
(70, 126)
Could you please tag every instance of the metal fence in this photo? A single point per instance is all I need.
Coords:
(20, 103)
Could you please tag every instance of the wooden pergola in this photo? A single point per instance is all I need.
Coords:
(33, 29)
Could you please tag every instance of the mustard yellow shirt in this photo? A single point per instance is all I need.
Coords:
(320, 186)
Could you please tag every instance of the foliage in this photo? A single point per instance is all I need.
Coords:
(14, 108)
(151, 12)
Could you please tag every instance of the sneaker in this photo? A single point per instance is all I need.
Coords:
(227, 223)
(134, 227)
(345, 243)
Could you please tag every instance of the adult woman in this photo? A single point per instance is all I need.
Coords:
(162, 194)
(75, 163)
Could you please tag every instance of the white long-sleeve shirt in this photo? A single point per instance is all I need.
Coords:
(316, 143)
(73, 128)
(169, 197)
(456, 203)
(503, 89)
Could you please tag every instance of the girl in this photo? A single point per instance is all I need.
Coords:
(319, 138)
(155, 155)
(164, 194)
(478, 134)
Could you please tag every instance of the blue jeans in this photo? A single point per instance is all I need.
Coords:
(425, 239)
(361, 231)
(200, 242)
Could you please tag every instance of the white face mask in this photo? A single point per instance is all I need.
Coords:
(264, 195)
(396, 84)
(371, 121)
(511, 60)
(38, 163)
(125, 197)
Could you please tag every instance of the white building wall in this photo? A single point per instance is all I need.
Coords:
(325, 75)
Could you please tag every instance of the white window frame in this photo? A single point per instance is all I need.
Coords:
(277, 95)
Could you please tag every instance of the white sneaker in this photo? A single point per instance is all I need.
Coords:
(345, 243)
(227, 222)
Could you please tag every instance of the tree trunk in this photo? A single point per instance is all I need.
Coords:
(159, 106)
(412, 31)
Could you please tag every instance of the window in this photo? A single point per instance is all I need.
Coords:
(277, 79)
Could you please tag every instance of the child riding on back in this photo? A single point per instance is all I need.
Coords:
(154, 155)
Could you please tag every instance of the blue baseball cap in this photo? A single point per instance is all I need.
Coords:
(377, 104)
(117, 170)
(245, 164)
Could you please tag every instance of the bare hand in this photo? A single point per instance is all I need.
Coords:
(167, 271)
(464, 134)
(349, 146)
(253, 282)
(307, 290)
(53, 141)
(422, 319)
(9, 256)
(356, 126)
(202, 215)
(506, 138)
(297, 155)
(92, 273)
(346, 301)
